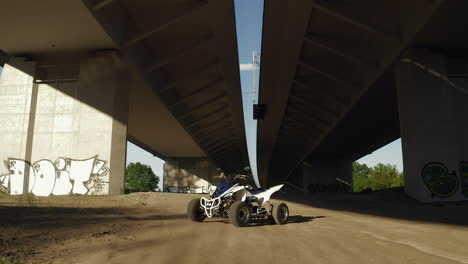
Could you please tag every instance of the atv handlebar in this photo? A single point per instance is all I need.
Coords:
(231, 178)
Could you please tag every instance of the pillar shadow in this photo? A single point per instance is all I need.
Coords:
(391, 204)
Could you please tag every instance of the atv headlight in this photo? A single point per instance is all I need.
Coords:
(212, 189)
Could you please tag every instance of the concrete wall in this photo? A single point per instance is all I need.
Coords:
(434, 129)
(198, 174)
(322, 175)
(69, 122)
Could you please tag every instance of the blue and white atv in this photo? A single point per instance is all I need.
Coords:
(242, 204)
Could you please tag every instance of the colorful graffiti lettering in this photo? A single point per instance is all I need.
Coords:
(463, 170)
(64, 176)
(439, 180)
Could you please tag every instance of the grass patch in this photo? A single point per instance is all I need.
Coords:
(28, 199)
(6, 260)
(27, 251)
(3, 193)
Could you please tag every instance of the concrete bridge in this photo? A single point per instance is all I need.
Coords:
(339, 79)
(85, 76)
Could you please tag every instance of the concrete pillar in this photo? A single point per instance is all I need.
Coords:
(434, 128)
(194, 175)
(328, 176)
(65, 124)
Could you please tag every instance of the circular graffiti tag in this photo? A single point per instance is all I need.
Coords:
(464, 177)
(438, 180)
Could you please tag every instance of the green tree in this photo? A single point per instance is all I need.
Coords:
(140, 178)
(400, 180)
(361, 174)
(381, 176)
(384, 176)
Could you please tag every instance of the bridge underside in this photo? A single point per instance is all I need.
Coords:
(374, 121)
(188, 101)
(187, 52)
(328, 77)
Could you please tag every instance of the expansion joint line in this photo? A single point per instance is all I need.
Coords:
(290, 184)
(436, 74)
(428, 70)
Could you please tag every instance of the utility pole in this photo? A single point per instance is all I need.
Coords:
(256, 66)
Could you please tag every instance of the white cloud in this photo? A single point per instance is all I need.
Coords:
(247, 67)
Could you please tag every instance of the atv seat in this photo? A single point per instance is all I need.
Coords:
(256, 190)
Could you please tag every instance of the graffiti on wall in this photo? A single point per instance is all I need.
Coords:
(463, 170)
(62, 177)
(443, 183)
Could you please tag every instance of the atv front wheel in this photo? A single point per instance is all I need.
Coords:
(280, 213)
(195, 212)
(239, 214)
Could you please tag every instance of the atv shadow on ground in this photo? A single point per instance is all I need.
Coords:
(302, 219)
(293, 219)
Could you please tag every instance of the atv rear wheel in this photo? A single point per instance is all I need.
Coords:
(239, 214)
(194, 211)
(280, 213)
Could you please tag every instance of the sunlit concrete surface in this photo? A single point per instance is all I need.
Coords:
(60, 136)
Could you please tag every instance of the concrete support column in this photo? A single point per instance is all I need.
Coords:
(65, 124)
(194, 175)
(18, 97)
(327, 176)
(434, 127)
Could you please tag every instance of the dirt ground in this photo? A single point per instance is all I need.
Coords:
(153, 228)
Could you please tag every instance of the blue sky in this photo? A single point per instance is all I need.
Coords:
(249, 16)
(390, 154)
